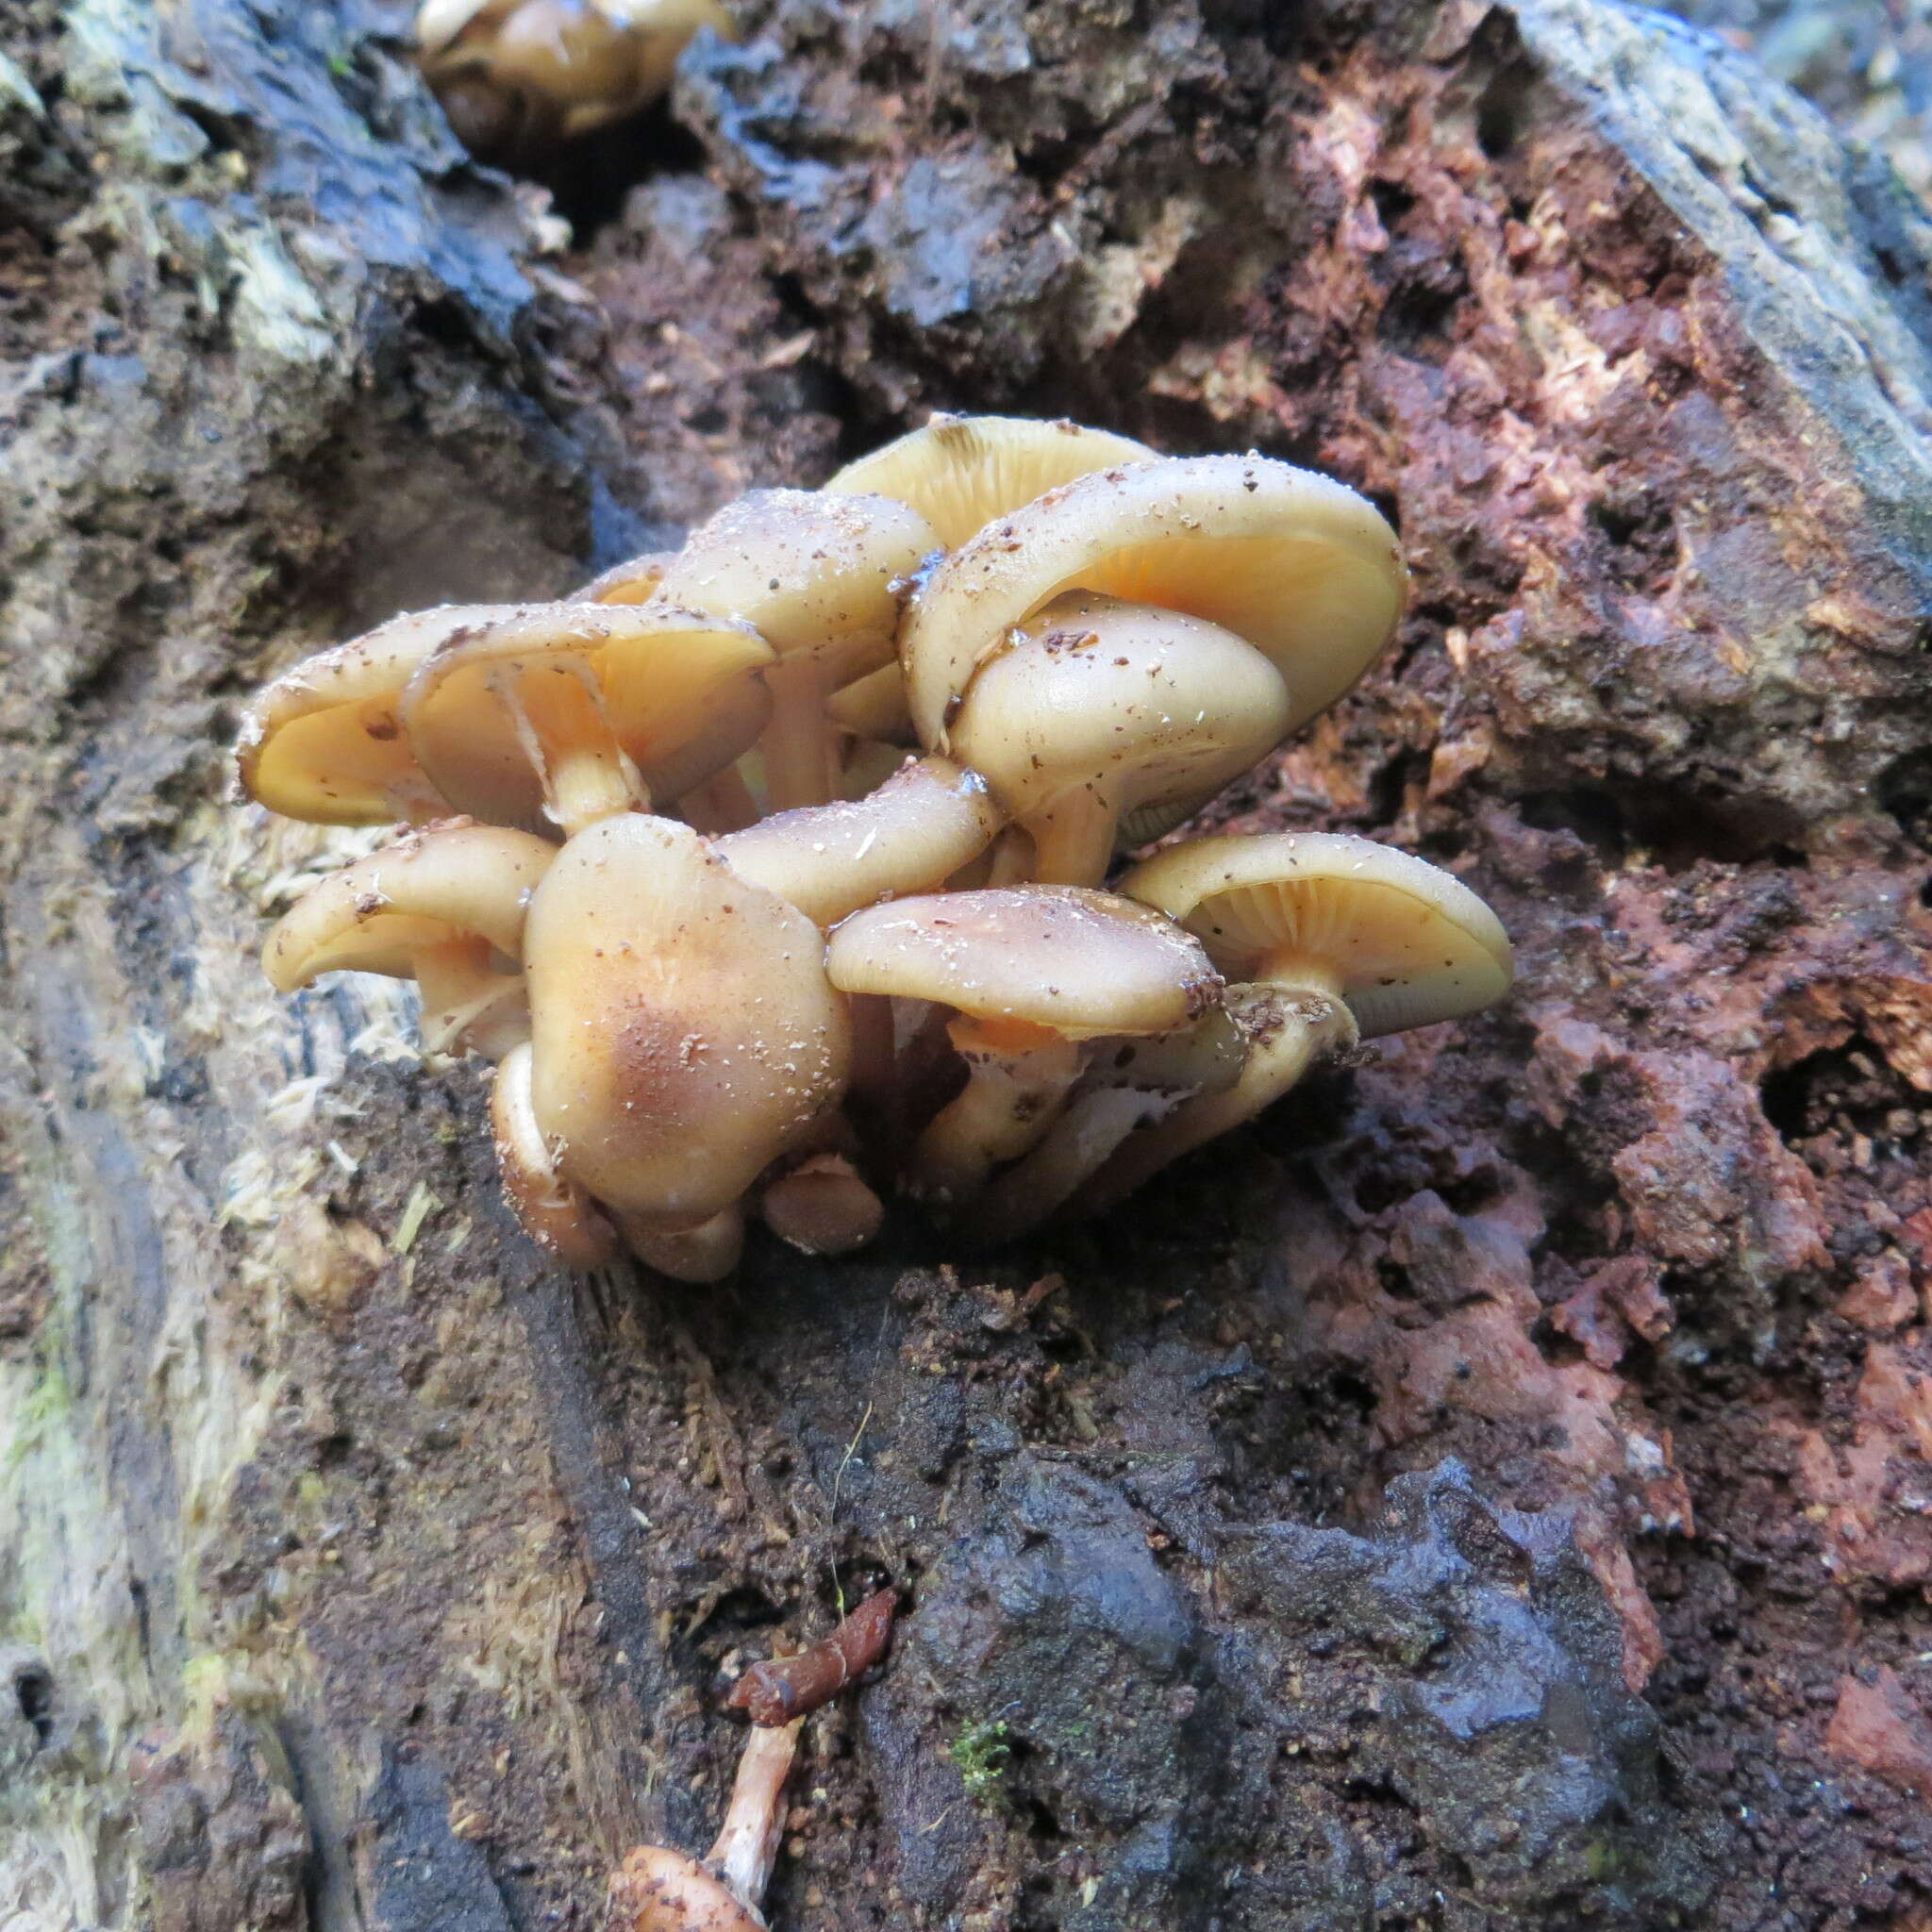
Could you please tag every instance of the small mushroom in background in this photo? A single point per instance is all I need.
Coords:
(445, 907)
(324, 742)
(820, 578)
(1094, 711)
(1327, 937)
(658, 1889)
(1296, 564)
(556, 715)
(516, 77)
(1031, 973)
(918, 828)
(962, 472)
(683, 1036)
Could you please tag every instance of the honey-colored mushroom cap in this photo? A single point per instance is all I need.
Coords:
(666, 28)
(1296, 564)
(683, 1030)
(446, 879)
(657, 1890)
(821, 579)
(325, 740)
(817, 577)
(706, 1250)
(553, 714)
(573, 56)
(1409, 944)
(1097, 710)
(442, 905)
(961, 473)
(439, 23)
(1081, 963)
(926, 821)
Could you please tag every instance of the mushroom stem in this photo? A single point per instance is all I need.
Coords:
(1128, 1085)
(1017, 1075)
(746, 1846)
(1012, 859)
(1007, 861)
(724, 802)
(1072, 845)
(585, 787)
(657, 1890)
(874, 1046)
(1093, 1126)
(799, 746)
(586, 772)
(465, 1004)
(874, 706)
(1291, 1023)
(706, 1251)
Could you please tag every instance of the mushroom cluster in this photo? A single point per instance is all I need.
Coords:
(772, 870)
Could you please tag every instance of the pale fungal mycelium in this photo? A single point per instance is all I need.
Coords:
(773, 871)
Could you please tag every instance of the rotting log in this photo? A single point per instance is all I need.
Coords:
(355, 1570)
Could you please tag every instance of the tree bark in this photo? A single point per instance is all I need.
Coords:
(1489, 1491)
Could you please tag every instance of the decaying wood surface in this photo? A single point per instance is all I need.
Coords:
(1490, 1493)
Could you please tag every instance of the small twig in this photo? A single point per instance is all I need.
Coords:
(782, 1689)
